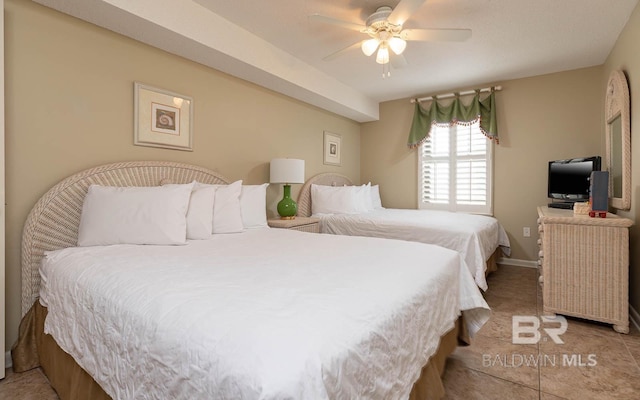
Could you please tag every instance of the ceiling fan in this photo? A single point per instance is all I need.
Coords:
(384, 28)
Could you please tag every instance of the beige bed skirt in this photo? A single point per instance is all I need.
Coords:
(492, 262)
(35, 349)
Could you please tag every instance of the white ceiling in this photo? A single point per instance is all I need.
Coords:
(272, 43)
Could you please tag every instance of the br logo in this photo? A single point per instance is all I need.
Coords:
(526, 328)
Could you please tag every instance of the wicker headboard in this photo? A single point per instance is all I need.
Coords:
(53, 222)
(327, 179)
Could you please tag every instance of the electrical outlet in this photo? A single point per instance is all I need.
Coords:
(526, 231)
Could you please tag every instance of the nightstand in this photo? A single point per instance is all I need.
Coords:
(303, 224)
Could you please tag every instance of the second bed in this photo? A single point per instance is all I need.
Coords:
(479, 238)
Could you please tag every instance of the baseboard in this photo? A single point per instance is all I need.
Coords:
(517, 263)
(7, 360)
(634, 316)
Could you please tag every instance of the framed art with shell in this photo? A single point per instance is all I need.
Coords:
(162, 118)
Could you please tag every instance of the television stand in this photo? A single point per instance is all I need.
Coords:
(566, 205)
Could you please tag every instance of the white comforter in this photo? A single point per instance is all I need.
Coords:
(476, 237)
(265, 314)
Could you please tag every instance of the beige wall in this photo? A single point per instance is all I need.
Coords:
(69, 106)
(542, 118)
(625, 56)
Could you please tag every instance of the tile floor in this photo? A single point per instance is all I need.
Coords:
(595, 362)
(493, 367)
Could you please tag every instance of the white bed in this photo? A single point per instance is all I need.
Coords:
(264, 314)
(476, 237)
(319, 320)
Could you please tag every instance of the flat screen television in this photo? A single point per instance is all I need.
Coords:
(569, 180)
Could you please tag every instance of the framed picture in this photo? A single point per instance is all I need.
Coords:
(332, 148)
(162, 118)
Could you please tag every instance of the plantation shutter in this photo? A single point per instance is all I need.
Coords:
(471, 166)
(435, 167)
(455, 169)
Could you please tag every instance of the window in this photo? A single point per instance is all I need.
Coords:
(455, 169)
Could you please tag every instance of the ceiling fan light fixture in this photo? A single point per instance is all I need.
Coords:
(369, 46)
(386, 33)
(383, 55)
(397, 45)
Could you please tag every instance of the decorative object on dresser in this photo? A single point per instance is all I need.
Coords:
(303, 224)
(599, 194)
(585, 266)
(162, 118)
(287, 171)
(581, 208)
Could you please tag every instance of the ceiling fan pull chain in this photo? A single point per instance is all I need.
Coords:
(386, 70)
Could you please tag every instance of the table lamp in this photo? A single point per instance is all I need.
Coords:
(287, 171)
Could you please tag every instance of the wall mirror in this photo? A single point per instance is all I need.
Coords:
(618, 141)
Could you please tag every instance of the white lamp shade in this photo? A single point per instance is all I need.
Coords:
(383, 55)
(369, 46)
(397, 45)
(286, 170)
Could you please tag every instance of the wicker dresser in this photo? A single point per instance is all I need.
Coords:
(304, 224)
(585, 266)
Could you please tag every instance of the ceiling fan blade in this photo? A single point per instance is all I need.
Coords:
(436, 35)
(344, 24)
(340, 52)
(398, 61)
(404, 10)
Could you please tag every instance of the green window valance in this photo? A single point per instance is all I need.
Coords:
(456, 112)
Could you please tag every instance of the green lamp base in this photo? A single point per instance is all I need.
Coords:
(287, 208)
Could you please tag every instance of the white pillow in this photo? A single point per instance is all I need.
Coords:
(334, 200)
(253, 206)
(227, 217)
(363, 195)
(375, 197)
(134, 215)
(200, 213)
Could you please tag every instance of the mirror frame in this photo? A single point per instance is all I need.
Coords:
(617, 105)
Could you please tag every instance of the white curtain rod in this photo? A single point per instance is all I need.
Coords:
(448, 95)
